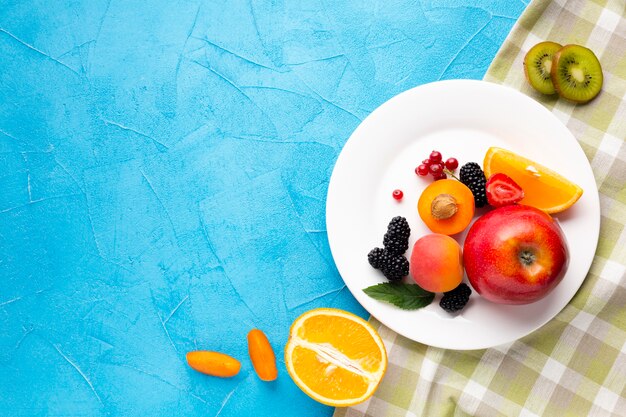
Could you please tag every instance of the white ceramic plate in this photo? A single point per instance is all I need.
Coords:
(461, 119)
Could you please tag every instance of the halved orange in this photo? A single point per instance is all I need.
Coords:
(335, 357)
(543, 188)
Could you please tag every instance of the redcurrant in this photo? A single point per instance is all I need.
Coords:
(435, 156)
(452, 164)
(422, 170)
(435, 169)
(397, 194)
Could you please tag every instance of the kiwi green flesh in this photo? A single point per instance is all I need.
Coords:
(537, 66)
(577, 73)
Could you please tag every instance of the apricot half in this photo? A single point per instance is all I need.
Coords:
(436, 263)
(446, 206)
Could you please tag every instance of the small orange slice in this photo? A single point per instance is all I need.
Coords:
(543, 188)
(335, 357)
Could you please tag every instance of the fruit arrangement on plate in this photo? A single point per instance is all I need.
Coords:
(514, 252)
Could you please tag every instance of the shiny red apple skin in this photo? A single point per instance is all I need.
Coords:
(515, 255)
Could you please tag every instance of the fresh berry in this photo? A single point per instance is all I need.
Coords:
(394, 267)
(422, 170)
(452, 164)
(398, 226)
(502, 191)
(396, 240)
(435, 166)
(375, 257)
(397, 194)
(455, 300)
(395, 244)
(435, 169)
(474, 177)
(435, 156)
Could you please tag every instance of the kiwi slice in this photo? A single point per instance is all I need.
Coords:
(538, 64)
(576, 73)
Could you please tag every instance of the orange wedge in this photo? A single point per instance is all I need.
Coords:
(543, 188)
(335, 357)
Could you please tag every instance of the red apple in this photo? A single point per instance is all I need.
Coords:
(515, 255)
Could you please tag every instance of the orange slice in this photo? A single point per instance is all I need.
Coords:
(335, 357)
(543, 188)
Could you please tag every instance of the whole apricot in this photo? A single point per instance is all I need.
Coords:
(436, 263)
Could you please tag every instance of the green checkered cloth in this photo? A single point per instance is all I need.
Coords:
(575, 365)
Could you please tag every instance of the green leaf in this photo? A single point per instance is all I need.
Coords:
(405, 296)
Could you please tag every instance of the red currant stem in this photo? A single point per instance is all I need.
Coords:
(450, 173)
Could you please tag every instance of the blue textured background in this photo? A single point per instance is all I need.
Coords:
(164, 167)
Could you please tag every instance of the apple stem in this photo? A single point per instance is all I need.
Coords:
(527, 257)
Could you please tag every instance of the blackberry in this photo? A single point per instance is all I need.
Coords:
(474, 177)
(390, 260)
(455, 300)
(395, 244)
(398, 226)
(396, 240)
(375, 257)
(394, 267)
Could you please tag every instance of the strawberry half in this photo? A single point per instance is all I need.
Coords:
(502, 191)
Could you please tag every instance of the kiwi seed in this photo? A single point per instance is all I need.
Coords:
(538, 63)
(576, 73)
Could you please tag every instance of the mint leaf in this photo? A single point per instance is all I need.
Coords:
(405, 296)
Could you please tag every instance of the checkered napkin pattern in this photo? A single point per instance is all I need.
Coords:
(575, 365)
